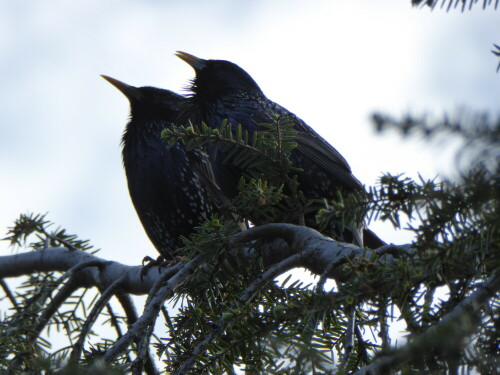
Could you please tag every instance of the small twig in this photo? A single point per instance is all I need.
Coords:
(348, 339)
(384, 327)
(143, 340)
(69, 245)
(151, 313)
(411, 323)
(91, 318)
(128, 307)
(246, 296)
(9, 294)
(114, 322)
(170, 326)
(56, 302)
(131, 313)
(361, 349)
(166, 316)
(142, 349)
(161, 280)
(322, 280)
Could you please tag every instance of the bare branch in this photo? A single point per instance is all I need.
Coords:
(81, 266)
(62, 259)
(280, 241)
(324, 250)
(142, 349)
(116, 324)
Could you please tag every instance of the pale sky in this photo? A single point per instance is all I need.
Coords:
(332, 63)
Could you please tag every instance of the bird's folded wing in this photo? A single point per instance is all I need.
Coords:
(200, 162)
(324, 155)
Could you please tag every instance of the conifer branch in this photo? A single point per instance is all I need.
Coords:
(243, 299)
(444, 337)
(92, 317)
(151, 312)
(67, 290)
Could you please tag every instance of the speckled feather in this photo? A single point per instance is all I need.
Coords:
(165, 191)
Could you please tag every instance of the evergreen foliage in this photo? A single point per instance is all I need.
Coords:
(456, 4)
(236, 315)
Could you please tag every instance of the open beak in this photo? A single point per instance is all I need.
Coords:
(195, 62)
(130, 92)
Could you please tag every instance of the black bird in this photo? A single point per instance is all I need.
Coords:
(165, 191)
(222, 90)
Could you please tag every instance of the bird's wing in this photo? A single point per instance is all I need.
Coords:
(321, 153)
(328, 158)
(200, 162)
(318, 150)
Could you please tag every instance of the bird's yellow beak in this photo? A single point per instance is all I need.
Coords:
(130, 92)
(195, 62)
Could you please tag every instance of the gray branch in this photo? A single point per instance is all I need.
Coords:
(62, 260)
(276, 243)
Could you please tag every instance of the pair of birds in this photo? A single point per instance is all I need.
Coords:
(168, 193)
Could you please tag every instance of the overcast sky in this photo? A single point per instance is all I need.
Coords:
(332, 63)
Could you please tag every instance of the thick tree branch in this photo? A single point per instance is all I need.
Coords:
(62, 259)
(324, 251)
(277, 242)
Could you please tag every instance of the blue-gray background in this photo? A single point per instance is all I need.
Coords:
(330, 62)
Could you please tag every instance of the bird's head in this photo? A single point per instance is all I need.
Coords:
(218, 78)
(149, 103)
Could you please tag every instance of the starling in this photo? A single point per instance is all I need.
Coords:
(165, 191)
(222, 90)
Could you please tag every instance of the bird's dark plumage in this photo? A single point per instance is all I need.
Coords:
(165, 191)
(222, 90)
